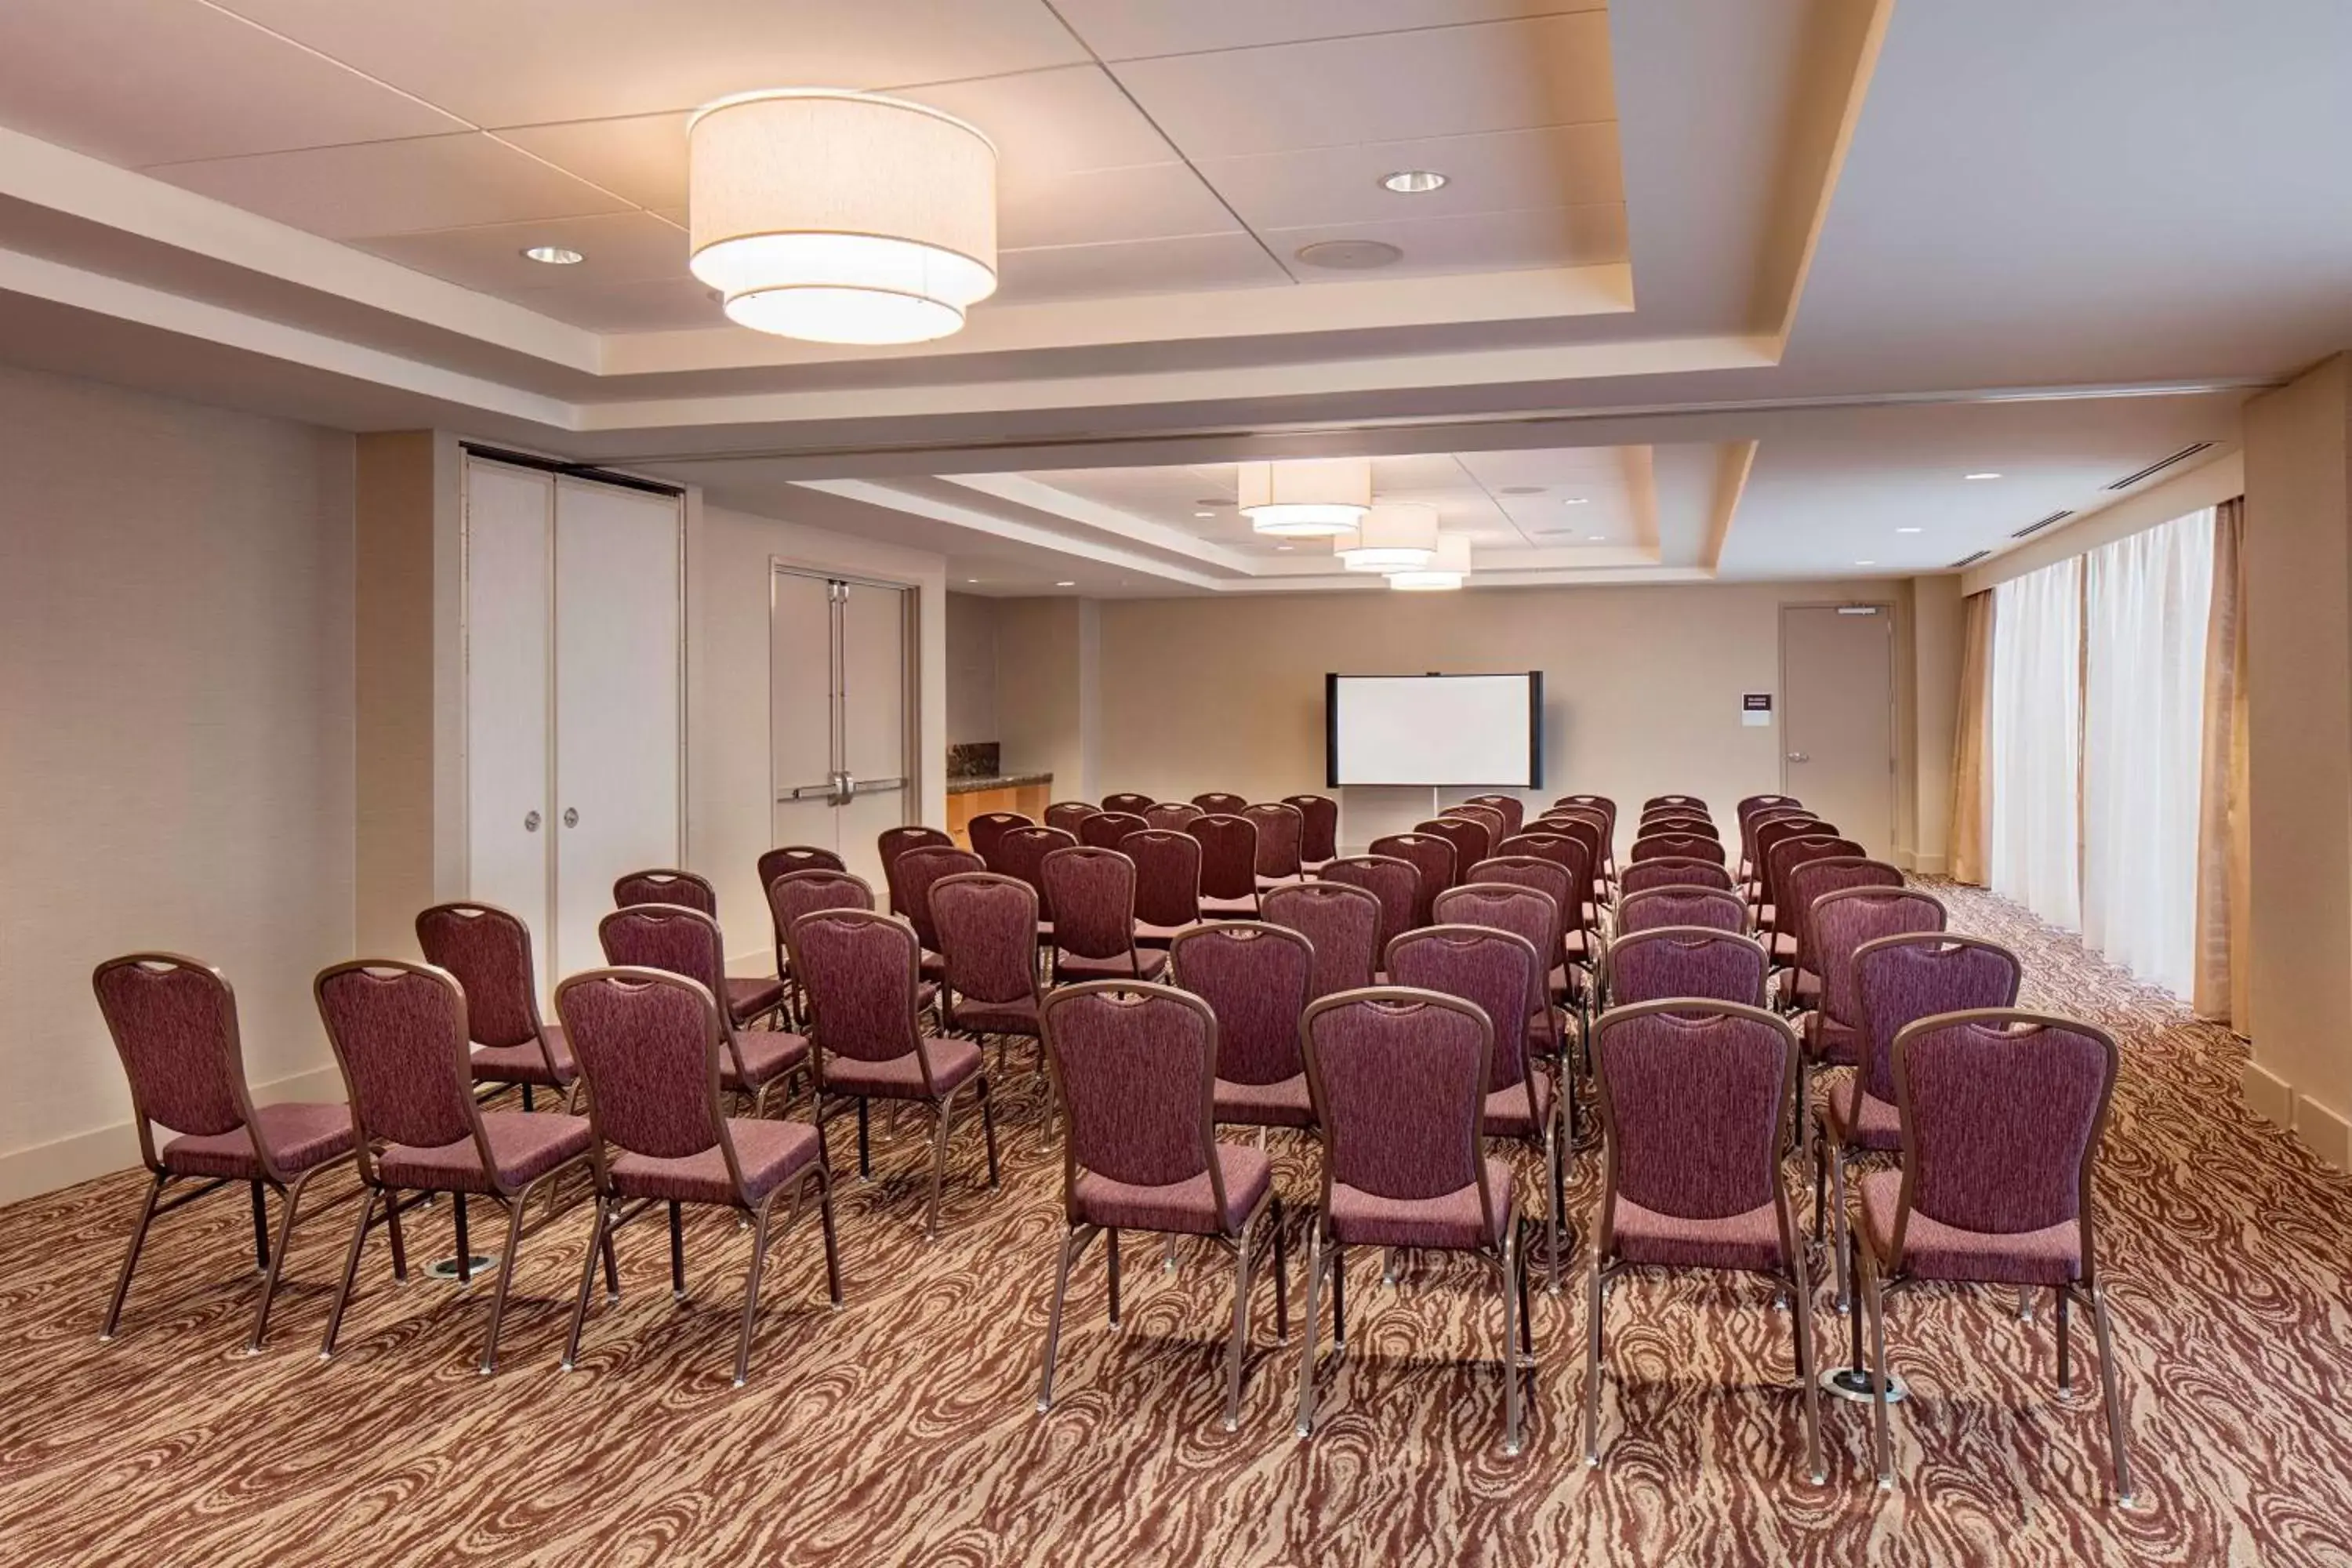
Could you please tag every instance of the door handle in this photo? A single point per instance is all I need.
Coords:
(531, 822)
(1798, 757)
(570, 816)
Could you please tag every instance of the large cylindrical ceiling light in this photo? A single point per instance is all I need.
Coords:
(1314, 498)
(1393, 537)
(1446, 569)
(842, 217)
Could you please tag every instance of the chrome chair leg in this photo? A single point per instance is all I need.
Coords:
(2118, 1442)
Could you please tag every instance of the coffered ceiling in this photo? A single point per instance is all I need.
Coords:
(1755, 279)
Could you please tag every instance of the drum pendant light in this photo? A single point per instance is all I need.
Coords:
(1446, 569)
(842, 217)
(1393, 537)
(1313, 499)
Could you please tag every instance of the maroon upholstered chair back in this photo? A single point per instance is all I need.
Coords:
(666, 936)
(1572, 855)
(1092, 890)
(1689, 803)
(892, 842)
(1807, 880)
(1320, 840)
(1673, 871)
(859, 968)
(173, 1020)
(1902, 979)
(1175, 813)
(399, 1032)
(1687, 961)
(1022, 853)
(1067, 815)
(1399, 1082)
(1472, 843)
(1490, 818)
(1281, 830)
(1677, 821)
(797, 893)
(1790, 853)
(649, 1044)
(1770, 829)
(1687, 845)
(1844, 921)
(1756, 803)
(1600, 803)
(2003, 1114)
(1537, 874)
(1525, 912)
(1167, 875)
(1693, 1104)
(1340, 921)
(684, 889)
(1228, 855)
(913, 874)
(987, 827)
(1134, 1070)
(987, 926)
(1753, 810)
(1105, 829)
(1432, 856)
(1654, 907)
(788, 858)
(1510, 807)
(1496, 971)
(1395, 883)
(1128, 802)
(1218, 803)
(487, 951)
(1255, 977)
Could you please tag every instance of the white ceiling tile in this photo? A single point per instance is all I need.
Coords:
(1102, 206)
(1141, 267)
(660, 307)
(1391, 87)
(140, 81)
(1474, 242)
(1557, 165)
(640, 156)
(1128, 29)
(620, 248)
(528, 62)
(1054, 121)
(394, 187)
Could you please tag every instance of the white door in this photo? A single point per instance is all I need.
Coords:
(802, 713)
(1837, 674)
(873, 703)
(839, 712)
(618, 703)
(509, 521)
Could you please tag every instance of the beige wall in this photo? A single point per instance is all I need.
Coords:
(1641, 685)
(1936, 645)
(177, 739)
(1042, 676)
(971, 669)
(2299, 721)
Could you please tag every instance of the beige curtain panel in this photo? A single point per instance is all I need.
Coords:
(1971, 752)
(2222, 858)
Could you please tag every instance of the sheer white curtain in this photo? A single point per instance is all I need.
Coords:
(2037, 691)
(2146, 600)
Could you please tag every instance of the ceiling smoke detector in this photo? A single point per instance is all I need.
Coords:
(1351, 254)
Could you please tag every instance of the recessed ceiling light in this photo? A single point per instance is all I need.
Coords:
(1286, 547)
(972, 579)
(1413, 181)
(1204, 514)
(554, 255)
(1983, 475)
(1520, 490)
(1575, 500)
(1906, 531)
(1351, 254)
(1865, 563)
(1066, 585)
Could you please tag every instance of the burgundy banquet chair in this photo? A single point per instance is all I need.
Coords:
(1255, 978)
(1395, 883)
(1434, 858)
(1672, 906)
(687, 889)
(1092, 891)
(1341, 923)
(487, 951)
(1699, 963)
(1673, 871)
(1281, 831)
(1167, 883)
(1228, 865)
(892, 842)
(1319, 835)
(984, 829)
(686, 941)
(1128, 804)
(1104, 829)
(987, 926)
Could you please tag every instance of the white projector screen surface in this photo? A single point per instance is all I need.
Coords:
(1435, 730)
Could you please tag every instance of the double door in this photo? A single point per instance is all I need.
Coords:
(575, 709)
(840, 653)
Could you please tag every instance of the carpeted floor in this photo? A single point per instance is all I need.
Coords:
(903, 1430)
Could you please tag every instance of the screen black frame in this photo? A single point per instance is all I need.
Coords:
(1331, 679)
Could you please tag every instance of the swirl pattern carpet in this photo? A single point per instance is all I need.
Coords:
(903, 1429)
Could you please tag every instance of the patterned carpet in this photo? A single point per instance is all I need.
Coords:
(903, 1430)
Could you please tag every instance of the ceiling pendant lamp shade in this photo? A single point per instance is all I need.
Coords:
(1395, 537)
(1317, 498)
(1446, 568)
(842, 217)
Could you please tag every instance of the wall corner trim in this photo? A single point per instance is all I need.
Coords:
(2267, 1095)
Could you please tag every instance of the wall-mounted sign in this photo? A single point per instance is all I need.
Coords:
(1756, 709)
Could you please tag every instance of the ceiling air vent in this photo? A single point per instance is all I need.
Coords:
(2039, 523)
(2161, 465)
(1969, 560)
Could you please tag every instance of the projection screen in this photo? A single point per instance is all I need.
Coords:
(1434, 730)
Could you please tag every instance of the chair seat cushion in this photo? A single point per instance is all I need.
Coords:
(767, 1053)
(1829, 1042)
(526, 1063)
(1018, 1017)
(1507, 1109)
(1281, 1104)
(770, 1153)
(1148, 934)
(934, 966)
(1268, 884)
(523, 1147)
(299, 1135)
(1360, 1218)
(1809, 984)
(1880, 1125)
(1784, 948)
(954, 1063)
(1188, 1206)
(749, 996)
(1934, 1250)
(1750, 1242)
(1228, 908)
(1147, 964)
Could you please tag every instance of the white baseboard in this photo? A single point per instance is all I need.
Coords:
(2267, 1095)
(82, 1156)
(1931, 865)
(2323, 1132)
